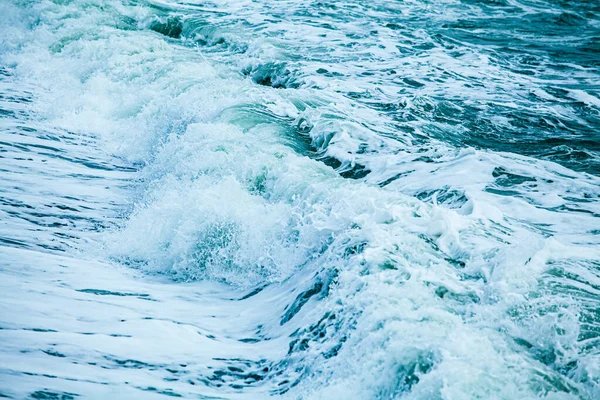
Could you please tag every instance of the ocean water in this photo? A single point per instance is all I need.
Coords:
(238, 199)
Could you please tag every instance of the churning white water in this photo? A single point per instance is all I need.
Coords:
(308, 200)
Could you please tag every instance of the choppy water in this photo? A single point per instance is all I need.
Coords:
(300, 199)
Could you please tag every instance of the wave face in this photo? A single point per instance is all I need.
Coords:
(300, 199)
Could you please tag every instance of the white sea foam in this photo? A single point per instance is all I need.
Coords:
(482, 287)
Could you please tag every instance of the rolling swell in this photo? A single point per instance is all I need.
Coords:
(312, 200)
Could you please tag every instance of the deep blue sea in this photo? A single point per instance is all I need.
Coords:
(246, 199)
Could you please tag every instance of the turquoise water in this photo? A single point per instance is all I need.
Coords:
(315, 200)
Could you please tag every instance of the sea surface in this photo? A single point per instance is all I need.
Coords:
(243, 199)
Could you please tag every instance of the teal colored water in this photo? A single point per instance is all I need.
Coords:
(300, 199)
